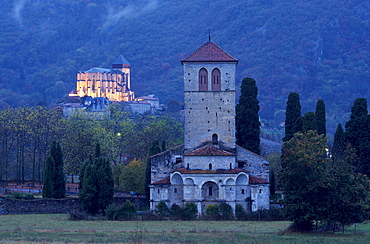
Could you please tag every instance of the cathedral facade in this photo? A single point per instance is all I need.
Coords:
(209, 168)
(113, 83)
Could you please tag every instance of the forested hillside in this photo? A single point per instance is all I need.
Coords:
(317, 48)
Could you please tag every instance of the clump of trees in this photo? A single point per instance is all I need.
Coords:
(319, 188)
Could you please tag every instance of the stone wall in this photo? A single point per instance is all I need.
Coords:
(47, 206)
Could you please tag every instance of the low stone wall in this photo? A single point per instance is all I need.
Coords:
(44, 206)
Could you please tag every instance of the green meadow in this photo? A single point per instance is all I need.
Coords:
(56, 228)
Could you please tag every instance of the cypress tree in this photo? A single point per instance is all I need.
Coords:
(47, 188)
(358, 134)
(154, 149)
(54, 181)
(339, 144)
(308, 122)
(59, 187)
(320, 117)
(293, 122)
(247, 119)
(97, 184)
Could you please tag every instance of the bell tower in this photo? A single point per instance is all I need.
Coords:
(209, 98)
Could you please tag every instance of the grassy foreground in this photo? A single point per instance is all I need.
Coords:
(56, 228)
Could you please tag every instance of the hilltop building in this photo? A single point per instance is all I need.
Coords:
(113, 83)
(209, 168)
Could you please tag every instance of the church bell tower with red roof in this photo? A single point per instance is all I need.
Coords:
(209, 98)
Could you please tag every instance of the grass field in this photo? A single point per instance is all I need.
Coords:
(56, 228)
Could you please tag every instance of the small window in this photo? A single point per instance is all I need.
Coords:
(158, 191)
(210, 166)
(214, 139)
(175, 190)
(260, 191)
(242, 191)
(203, 80)
(216, 82)
(210, 191)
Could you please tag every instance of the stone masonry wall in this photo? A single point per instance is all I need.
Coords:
(53, 206)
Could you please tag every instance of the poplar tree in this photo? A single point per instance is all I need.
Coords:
(247, 119)
(320, 117)
(292, 116)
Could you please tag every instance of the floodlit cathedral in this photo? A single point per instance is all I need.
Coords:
(209, 168)
(113, 83)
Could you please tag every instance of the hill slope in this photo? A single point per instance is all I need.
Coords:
(319, 49)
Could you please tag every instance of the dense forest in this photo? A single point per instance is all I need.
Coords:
(317, 48)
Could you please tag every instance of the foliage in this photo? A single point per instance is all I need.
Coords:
(127, 211)
(176, 212)
(239, 212)
(339, 144)
(247, 120)
(96, 185)
(133, 177)
(190, 211)
(226, 211)
(54, 181)
(358, 134)
(154, 149)
(162, 209)
(320, 114)
(308, 122)
(317, 189)
(25, 196)
(212, 211)
(292, 116)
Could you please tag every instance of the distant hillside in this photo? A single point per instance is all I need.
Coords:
(318, 48)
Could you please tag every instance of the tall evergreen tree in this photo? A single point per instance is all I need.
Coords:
(47, 188)
(154, 149)
(320, 117)
(54, 181)
(247, 119)
(292, 116)
(358, 134)
(339, 144)
(97, 184)
(59, 186)
(308, 122)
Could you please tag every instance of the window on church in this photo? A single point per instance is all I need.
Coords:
(203, 80)
(175, 190)
(210, 191)
(216, 80)
(260, 191)
(214, 139)
(210, 166)
(242, 191)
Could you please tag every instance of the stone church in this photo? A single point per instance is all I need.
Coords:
(209, 168)
(113, 83)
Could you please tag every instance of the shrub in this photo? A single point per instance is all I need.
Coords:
(176, 212)
(225, 211)
(19, 195)
(125, 212)
(190, 211)
(162, 209)
(212, 212)
(239, 212)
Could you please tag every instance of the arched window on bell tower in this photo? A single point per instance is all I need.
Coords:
(216, 80)
(215, 139)
(203, 80)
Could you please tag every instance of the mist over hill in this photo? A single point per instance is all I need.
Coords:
(317, 48)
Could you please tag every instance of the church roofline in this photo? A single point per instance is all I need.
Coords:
(209, 150)
(218, 171)
(171, 149)
(209, 52)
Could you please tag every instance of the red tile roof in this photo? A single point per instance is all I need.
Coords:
(209, 150)
(164, 181)
(220, 171)
(209, 52)
(256, 180)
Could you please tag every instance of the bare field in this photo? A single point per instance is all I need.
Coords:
(56, 228)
